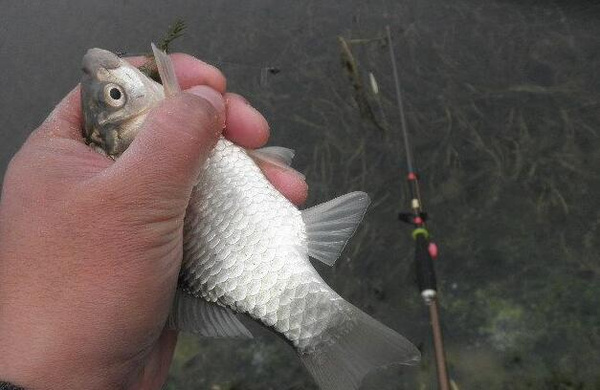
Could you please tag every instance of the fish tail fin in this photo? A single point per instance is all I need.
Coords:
(364, 346)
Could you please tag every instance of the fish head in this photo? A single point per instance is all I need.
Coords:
(115, 98)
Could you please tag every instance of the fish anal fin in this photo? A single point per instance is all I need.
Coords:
(195, 315)
(330, 225)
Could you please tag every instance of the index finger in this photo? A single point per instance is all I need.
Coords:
(190, 71)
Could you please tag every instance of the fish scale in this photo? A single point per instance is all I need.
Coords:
(227, 273)
(246, 247)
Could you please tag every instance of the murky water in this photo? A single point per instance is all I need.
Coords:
(503, 109)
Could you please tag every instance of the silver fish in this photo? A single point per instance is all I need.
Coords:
(246, 247)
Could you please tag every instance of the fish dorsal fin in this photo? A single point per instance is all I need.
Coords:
(195, 315)
(166, 72)
(330, 225)
(275, 155)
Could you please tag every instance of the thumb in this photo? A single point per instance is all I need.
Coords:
(166, 156)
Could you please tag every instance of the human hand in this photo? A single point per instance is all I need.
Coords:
(90, 249)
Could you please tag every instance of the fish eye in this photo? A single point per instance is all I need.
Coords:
(113, 95)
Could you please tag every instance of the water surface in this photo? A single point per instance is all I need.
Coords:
(503, 107)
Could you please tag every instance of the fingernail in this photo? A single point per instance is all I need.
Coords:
(295, 173)
(240, 97)
(209, 94)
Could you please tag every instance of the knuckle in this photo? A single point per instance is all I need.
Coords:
(188, 115)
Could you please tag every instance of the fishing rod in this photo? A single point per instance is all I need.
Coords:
(425, 249)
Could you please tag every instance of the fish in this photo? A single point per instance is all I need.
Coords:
(247, 248)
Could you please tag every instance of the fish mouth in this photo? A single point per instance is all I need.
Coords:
(96, 59)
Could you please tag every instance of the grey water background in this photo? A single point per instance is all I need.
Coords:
(502, 105)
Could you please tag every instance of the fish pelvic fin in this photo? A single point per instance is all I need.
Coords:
(166, 72)
(363, 346)
(330, 225)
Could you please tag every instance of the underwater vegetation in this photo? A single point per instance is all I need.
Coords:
(503, 106)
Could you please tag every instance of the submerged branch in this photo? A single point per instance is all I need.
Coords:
(360, 95)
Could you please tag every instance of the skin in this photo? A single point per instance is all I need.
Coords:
(90, 249)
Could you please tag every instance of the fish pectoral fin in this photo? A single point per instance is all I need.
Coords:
(276, 155)
(330, 225)
(195, 315)
(166, 72)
